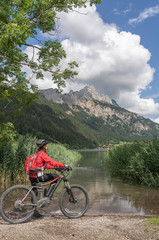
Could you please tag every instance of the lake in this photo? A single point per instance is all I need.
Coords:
(112, 196)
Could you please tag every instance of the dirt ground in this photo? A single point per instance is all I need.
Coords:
(109, 227)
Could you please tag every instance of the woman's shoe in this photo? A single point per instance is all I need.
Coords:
(37, 214)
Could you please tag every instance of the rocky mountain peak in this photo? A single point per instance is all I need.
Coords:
(52, 95)
(98, 105)
(89, 92)
(73, 98)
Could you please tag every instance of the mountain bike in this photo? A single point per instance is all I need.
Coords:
(18, 203)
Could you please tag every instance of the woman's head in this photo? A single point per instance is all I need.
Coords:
(42, 144)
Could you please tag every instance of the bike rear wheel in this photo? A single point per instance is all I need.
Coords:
(13, 209)
(74, 201)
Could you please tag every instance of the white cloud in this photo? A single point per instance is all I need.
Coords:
(147, 13)
(125, 11)
(41, 83)
(156, 120)
(113, 61)
(78, 26)
(134, 103)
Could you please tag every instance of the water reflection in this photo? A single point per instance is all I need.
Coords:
(112, 195)
(145, 200)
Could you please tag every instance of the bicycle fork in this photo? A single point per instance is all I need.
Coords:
(70, 193)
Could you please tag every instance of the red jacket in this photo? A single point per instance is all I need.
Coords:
(43, 160)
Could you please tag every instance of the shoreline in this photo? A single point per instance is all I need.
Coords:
(91, 150)
(107, 227)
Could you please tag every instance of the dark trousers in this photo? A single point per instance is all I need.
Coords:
(45, 178)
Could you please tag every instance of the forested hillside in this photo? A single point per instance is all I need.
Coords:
(75, 128)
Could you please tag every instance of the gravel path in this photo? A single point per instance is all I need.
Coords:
(88, 227)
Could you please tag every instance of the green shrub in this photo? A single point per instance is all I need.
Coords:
(137, 162)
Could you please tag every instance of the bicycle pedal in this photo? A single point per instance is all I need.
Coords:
(53, 198)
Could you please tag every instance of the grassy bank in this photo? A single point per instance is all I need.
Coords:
(13, 155)
(136, 162)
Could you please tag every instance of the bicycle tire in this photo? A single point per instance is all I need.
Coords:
(70, 208)
(9, 208)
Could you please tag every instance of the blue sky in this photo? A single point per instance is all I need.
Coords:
(116, 45)
(139, 17)
(123, 12)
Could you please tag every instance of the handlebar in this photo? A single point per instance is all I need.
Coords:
(68, 168)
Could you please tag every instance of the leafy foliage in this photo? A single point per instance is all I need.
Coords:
(137, 162)
(20, 21)
(13, 155)
(7, 132)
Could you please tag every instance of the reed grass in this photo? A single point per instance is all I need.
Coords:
(136, 162)
(13, 155)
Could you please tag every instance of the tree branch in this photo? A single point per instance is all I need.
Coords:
(33, 46)
(36, 17)
(28, 64)
(38, 40)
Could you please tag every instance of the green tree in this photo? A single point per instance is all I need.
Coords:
(7, 132)
(21, 20)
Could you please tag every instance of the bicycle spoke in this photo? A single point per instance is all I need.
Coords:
(13, 209)
(74, 203)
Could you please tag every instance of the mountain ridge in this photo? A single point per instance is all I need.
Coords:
(99, 105)
(82, 119)
(88, 92)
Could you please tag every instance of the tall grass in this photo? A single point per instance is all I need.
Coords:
(61, 154)
(136, 162)
(13, 155)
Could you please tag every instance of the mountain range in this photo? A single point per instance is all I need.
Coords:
(83, 119)
(99, 105)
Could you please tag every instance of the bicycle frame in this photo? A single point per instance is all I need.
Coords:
(51, 190)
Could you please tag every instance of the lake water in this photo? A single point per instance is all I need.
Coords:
(112, 195)
(109, 196)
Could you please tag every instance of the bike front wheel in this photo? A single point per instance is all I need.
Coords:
(74, 201)
(13, 207)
